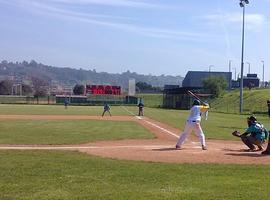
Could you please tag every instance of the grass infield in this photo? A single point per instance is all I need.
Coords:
(49, 175)
(68, 131)
(218, 125)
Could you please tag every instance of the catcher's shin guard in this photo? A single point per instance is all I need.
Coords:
(247, 142)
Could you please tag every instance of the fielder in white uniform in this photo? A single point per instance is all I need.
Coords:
(193, 124)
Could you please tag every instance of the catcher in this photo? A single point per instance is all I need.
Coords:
(255, 135)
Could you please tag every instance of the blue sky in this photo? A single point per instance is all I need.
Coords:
(154, 37)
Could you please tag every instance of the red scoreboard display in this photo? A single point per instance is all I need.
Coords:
(103, 89)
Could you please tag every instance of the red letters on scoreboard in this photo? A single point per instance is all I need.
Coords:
(103, 89)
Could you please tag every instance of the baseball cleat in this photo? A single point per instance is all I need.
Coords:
(177, 147)
(204, 147)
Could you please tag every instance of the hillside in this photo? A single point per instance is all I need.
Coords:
(254, 101)
(70, 76)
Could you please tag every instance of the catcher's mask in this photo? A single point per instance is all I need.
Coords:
(196, 102)
(251, 120)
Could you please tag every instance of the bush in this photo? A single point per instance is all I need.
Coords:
(215, 85)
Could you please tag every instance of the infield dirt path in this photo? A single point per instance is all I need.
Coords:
(160, 149)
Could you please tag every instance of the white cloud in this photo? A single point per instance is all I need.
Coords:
(119, 3)
(105, 20)
(253, 21)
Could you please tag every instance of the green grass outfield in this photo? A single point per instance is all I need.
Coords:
(152, 100)
(13, 109)
(68, 175)
(218, 125)
(68, 131)
(51, 175)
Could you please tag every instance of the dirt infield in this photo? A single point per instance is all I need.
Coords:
(156, 150)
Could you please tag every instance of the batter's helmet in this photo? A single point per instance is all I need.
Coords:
(196, 102)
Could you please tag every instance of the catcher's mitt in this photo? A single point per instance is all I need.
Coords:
(236, 134)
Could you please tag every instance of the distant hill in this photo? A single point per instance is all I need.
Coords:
(70, 76)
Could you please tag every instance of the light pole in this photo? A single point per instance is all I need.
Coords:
(234, 73)
(210, 66)
(230, 65)
(263, 73)
(242, 5)
(248, 67)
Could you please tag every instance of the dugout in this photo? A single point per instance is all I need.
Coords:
(178, 98)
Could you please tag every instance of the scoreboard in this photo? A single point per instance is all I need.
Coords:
(103, 89)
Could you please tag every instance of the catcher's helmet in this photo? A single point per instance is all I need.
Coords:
(196, 102)
(252, 118)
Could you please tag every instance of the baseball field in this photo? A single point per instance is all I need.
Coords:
(48, 152)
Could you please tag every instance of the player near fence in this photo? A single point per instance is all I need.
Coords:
(106, 108)
(255, 135)
(66, 102)
(268, 106)
(193, 124)
(141, 108)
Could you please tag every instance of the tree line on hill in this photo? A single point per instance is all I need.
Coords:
(69, 76)
(41, 77)
(212, 85)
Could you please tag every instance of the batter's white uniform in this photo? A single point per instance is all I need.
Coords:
(193, 124)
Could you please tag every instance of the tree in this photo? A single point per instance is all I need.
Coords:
(215, 85)
(40, 87)
(78, 89)
(143, 86)
(26, 90)
(6, 87)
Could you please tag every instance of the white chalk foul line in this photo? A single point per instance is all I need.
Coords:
(163, 129)
(79, 147)
(152, 124)
(146, 147)
(128, 110)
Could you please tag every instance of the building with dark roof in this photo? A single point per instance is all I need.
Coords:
(195, 78)
(251, 80)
